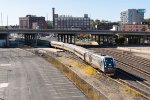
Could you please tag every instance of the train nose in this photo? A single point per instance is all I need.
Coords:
(110, 65)
(109, 70)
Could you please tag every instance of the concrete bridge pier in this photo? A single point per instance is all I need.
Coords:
(31, 39)
(71, 39)
(134, 40)
(58, 37)
(35, 39)
(93, 37)
(146, 40)
(7, 40)
(4, 40)
(61, 38)
(137, 40)
(99, 39)
(66, 38)
(25, 38)
(103, 39)
(73, 36)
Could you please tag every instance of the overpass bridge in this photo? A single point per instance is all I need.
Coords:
(57, 31)
(69, 36)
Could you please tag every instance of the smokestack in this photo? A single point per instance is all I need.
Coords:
(53, 12)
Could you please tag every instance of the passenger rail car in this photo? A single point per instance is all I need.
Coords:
(104, 63)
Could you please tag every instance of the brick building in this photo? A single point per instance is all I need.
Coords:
(134, 27)
(69, 22)
(31, 21)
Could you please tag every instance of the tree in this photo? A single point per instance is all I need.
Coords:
(49, 24)
(92, 22)
(120, 40)
(147, 20)
(97, 22)
(105, 21)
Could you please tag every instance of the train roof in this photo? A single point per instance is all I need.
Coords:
(101, 55)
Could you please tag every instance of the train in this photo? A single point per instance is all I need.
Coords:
(104, 63)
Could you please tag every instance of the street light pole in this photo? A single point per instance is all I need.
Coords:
(36, 35)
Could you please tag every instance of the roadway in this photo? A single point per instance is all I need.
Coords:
(25, 76)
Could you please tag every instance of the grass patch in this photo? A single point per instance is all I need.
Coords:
(86, 68)
(90, 70)
(131, 91)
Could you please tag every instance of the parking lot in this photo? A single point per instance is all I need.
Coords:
(25, 76)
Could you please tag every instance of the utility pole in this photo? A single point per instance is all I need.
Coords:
(7, 21)
(1, 19)
(47, 17)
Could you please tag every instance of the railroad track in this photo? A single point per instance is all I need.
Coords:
(141, 86)
(140, 81)
(127, 56)
(133, 67)
(143, 60)
(133, 82)
(136, 67)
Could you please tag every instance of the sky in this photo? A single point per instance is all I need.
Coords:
(97, 9)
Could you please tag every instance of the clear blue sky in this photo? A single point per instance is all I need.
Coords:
(97, 9)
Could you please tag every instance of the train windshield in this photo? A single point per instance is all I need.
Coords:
(109, 62)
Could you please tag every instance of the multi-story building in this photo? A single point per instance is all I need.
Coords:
(132, 16)
(69, 22)
(31, 21)
(134, 27)
(106, 26)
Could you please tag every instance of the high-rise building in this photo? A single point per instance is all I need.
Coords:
(31, 21)
(69, 22)
(132, 16)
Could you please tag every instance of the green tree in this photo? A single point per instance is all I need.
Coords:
(147, 20)
(92, 22)
(120, 40)
(49, 24)
(97, 22)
